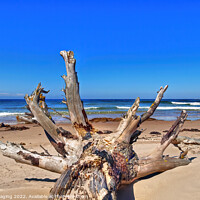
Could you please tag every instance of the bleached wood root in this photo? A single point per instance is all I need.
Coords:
(130, 129)
(186, 144)
(77, 113)
(130, 122)
(169, 136)
(64, 142)
(26, 119)
(155, 104)
(129, 116)
(156, 162)
(150, 166)
(186, 140)
(21, 155)
(40, 115)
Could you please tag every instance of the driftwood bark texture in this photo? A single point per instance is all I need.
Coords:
(93, 165)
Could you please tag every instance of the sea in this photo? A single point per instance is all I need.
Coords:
(168, 109)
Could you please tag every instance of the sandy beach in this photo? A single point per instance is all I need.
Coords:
(27, 182)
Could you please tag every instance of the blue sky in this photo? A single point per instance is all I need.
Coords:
(124, 49)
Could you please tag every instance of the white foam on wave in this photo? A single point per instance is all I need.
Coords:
(179, 103)
(195, 104)
(122, 107)
(91, 108)
(2, 114)
(165, 107)
(186, 103)
(174, 108)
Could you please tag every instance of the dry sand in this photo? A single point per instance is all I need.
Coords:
(18, 181)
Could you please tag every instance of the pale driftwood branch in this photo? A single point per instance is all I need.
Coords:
(21, 155)
(149, 166)
(130, 129)
(25, 119)
(42, 117)
(75, 106)
(129, 115)
(155, 104)
(129, 123)
(134, 135)
(156, 162)
(74, 103)
(186, 140)
(63, 141)
(186, 144)
(170, 135)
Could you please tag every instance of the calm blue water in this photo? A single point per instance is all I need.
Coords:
(168, 109)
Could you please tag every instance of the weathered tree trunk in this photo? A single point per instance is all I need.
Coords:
(93, 165)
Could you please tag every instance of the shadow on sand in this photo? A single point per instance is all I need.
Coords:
(128, 190)
(41, 179)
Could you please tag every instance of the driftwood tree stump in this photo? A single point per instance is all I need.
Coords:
(93, 165)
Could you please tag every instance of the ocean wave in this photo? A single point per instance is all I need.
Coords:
(174, 108)
(2, 114)
(109, 108)
(91, 108)
(179, 103)
(195, 104)
(122, 107)
(186, 103)
(104, 112)
(88, 108)
(91, 112)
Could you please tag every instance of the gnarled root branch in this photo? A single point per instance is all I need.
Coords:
(155, 104)
(150, 165)
(130, 122)
(22, 155)
(156, 162)
(64, 142)
(77, 112)
(187, 144)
